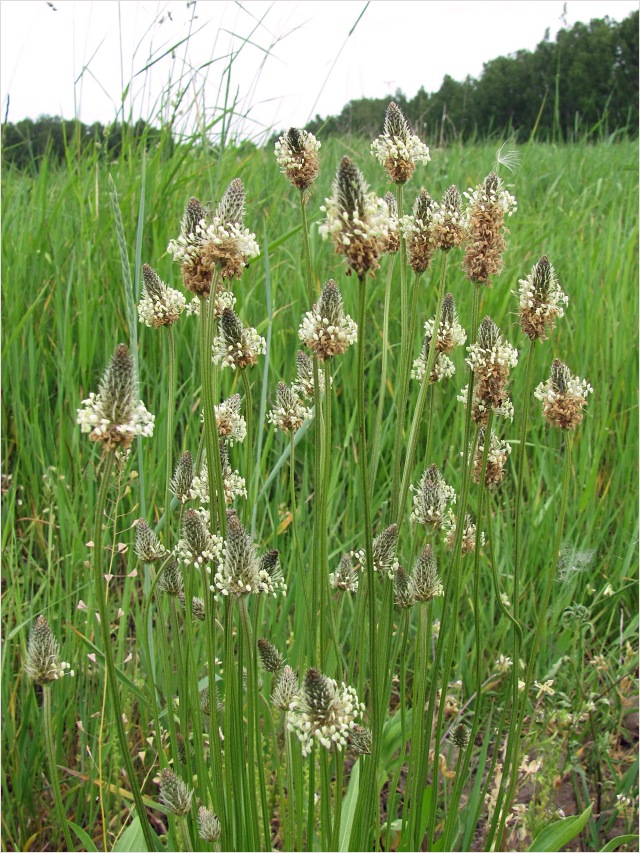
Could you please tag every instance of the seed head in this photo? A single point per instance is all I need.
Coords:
(232, 482)
(147, 547)
(182, 479)
(345, 577)
(487, 207)
(425, 582)
(304, 383)
(384, 551)
(197, 547)
(288, 414)
(541, 301)
(232, 427)
(197, 607)
(286, 690)
(431, 498)
(402, 592)
(461, 735)
(468, 534)
(497, 456)
(491, 360)
(297, 156)
(442, 368)
(419, 232)
(270, 657)
(236, 346)
(323, 712)
(170, 581)
(174, 793)
(326, 329)
(208, 825)
(357, 221)
(160, 305)
(360, 739)
(43, 662)
(115, 414)
(398, 149)
(393, 240)
(449, 224)
(222, 243)
(563, 397)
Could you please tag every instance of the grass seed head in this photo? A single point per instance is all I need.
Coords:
(356, 220)
(487, 207)
(208, 825)
(326, 329)
(563, 397)
(174, 793)
(182, 479)
(297, 155)
(43, 662)
(425, 582)
(115, 415)
(170, 581)
(541, 301)
(398, 150)
(270, 657)
(148, 547)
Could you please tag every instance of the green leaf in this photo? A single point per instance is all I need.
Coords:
(349, 808)
(132, 839)
(84, 837)
(556, 835)
(619, 840)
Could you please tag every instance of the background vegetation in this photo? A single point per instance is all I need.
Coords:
(64, 310)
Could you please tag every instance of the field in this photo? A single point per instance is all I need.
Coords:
(65, 308)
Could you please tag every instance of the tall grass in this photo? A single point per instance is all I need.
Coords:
(65, 309)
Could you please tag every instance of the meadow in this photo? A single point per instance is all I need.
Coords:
(65, 308)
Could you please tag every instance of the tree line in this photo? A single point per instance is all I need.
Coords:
(582, 85)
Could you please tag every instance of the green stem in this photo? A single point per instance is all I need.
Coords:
(418, 745)
(299, 573)
(447, 634)
(515, 731)
(171, 347)
(375, 445)
(368, 796)
(253, 741)
(419, 410)
(53, 770)
(110, 667)
(249, 462)
(184, 833)
(337, 815)
(306, 248)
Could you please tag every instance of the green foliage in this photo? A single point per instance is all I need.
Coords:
(582, 86)
(65, 308)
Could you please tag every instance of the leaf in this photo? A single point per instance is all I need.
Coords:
(349, 808)
(85, 838)
(132, 839)
(619, 840)
(555, 836)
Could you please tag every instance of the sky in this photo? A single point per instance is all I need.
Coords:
(291, 60)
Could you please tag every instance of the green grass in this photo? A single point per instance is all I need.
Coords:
(64, 310)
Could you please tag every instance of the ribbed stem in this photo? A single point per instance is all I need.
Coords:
(375, 444)
(248, 459)
(449, 621)
(53, 770)
(419, 410)
(184, 833)
(110, 667)
(368, 797)
(515, 731)
(171, 402)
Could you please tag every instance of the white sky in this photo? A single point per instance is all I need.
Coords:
(75, 57)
